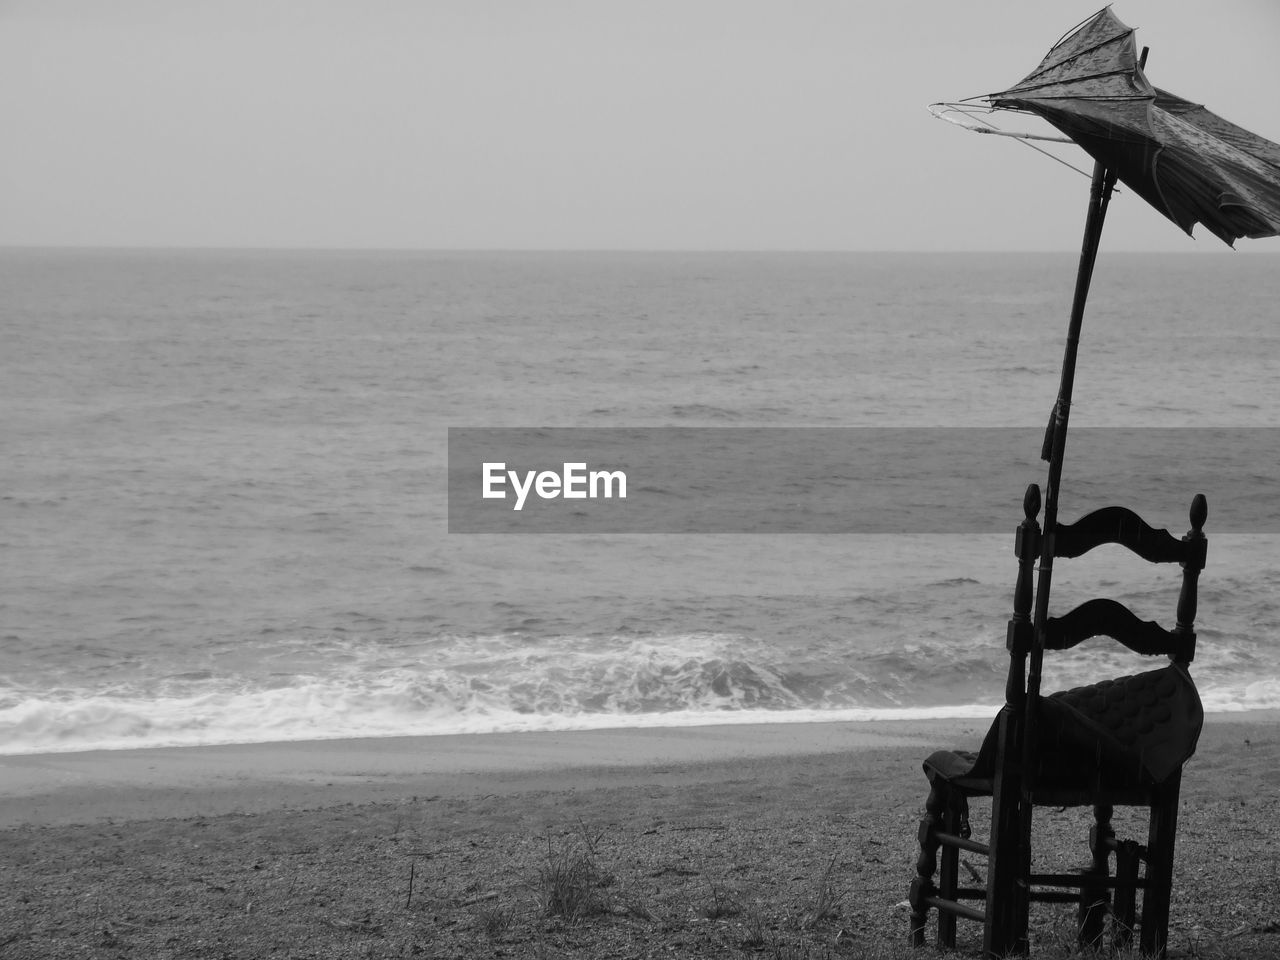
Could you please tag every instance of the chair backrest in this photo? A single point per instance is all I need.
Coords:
(1030, 635)
(1103, 617)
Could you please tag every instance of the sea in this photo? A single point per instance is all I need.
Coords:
(223, 486)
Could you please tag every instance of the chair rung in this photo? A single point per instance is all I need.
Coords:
(959, 909)
(1053, 896)
(970, 893)
(1113, 845)
(973, 846)
(1085, 880)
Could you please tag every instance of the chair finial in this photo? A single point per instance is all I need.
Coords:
(1031, 501)
(1199, 512)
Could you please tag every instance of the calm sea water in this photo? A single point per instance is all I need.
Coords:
(223, 510)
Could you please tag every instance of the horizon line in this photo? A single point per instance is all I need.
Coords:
(708, 251)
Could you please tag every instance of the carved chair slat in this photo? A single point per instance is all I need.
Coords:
(1122, 526)
(1103, 617)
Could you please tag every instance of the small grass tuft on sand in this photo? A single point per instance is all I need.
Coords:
(571, 884)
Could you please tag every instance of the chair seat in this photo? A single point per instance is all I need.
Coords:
(1127, 734)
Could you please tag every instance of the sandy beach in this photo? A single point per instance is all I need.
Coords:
(782, 840)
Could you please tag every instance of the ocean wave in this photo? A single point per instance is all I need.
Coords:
(458, 685)
(318, 712)
(512, 683)
(703, 411)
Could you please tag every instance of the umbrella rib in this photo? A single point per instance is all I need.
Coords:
(1076, 29)
(1022, 88)
(991, 128)
(1069, 166)
(1080, 53)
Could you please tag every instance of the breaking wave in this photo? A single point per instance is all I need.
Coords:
(513, 683)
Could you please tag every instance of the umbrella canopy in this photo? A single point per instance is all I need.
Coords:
(1188, 163)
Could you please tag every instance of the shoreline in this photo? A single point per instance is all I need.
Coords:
(145, 783)
(166, 782)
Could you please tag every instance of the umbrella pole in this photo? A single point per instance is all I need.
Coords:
(1104, 181)
(1055, 439)
(1007, 916)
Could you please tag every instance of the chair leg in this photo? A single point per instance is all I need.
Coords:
(1007, 868)
(949, 871)
(1094, 899)
(1124, 913)
(927, 863)
(1022, 890)
(1155, 900)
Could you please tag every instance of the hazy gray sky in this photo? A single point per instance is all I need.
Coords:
(570, 124)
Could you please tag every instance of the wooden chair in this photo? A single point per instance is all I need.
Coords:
(1121, 742)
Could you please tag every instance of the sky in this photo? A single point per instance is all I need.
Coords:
(572, 124)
